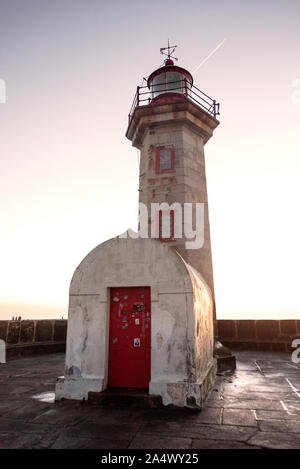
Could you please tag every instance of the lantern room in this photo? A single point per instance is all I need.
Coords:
(169, 82)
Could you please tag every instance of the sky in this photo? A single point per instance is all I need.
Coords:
(69, 176)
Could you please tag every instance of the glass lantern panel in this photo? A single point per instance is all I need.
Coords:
(158, 85)
(173, 82)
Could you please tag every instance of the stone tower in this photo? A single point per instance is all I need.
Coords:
(170, 122)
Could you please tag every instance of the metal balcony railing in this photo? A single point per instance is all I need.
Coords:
(145, 97)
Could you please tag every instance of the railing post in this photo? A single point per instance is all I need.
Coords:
(137, 95)
(215, 109)
(185, 88)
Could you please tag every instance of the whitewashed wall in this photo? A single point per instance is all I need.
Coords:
(181, 358)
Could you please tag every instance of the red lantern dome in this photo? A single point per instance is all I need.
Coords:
(169, 82)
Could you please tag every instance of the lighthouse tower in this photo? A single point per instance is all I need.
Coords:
(170, 122)
(141, 306)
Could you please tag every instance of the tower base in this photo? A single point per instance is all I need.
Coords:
(185, 394)
(161, 394)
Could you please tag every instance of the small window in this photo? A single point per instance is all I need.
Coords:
(165, 159)
(166, 225)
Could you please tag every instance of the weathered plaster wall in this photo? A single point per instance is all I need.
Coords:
(203, 324)
(175, 357)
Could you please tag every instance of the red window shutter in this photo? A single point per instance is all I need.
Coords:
(163, 234)
(165, 159)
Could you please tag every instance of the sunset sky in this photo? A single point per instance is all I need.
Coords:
(69, 176)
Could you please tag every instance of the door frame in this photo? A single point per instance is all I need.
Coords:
(108, 296)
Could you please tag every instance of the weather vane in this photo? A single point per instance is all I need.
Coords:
(171, 50)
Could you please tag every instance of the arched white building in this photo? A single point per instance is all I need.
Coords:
(174, 326)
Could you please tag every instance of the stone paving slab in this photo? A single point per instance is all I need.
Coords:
(243, 417)
(280, 415)
(63, 442)
(257, 406)
(25, 441)
(286, 426)
(215, 432)
(275, 440)
(100, 430)
(220, 444)
(155, 442)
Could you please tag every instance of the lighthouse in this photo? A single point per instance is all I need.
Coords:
(170, 122)
(141, 305)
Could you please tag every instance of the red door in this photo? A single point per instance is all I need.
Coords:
(129, 337)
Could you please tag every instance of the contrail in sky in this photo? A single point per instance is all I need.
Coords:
(209, 55)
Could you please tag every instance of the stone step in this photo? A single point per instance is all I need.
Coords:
(125, 398)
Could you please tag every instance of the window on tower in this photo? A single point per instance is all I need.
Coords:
(166, 225)
(165, 159)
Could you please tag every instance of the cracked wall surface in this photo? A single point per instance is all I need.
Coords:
(181, 309)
